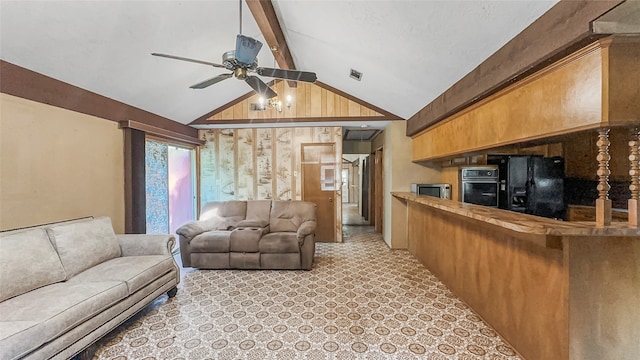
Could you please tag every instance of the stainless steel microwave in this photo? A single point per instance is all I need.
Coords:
(442, 191)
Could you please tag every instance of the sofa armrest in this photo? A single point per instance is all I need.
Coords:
(192, 229)
(306, 228)
(145, 244)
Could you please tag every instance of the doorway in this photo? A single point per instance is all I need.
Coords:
(355, 179)
(320, 185)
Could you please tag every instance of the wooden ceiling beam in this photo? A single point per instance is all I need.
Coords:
(265, 15)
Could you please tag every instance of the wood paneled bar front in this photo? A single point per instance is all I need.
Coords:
(553, 289)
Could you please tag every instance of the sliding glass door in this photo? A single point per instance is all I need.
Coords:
(170, 186)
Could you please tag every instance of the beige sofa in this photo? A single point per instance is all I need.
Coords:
(253, 234)
(65, 285)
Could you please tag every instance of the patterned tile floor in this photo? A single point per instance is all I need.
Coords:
(360, 301)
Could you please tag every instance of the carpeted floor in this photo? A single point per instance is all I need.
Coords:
(360, 301)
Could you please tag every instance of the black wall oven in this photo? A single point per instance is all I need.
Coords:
(479, 185)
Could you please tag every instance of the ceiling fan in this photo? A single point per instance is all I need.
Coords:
(241, 62)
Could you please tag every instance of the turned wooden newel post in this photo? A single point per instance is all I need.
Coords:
(634, 171)
(603, 203)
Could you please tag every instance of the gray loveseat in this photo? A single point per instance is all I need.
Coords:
(252, 234)
(65, 285)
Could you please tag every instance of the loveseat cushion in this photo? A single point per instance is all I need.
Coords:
(222, 215)
(135, 271)
(211, 241)
(56, 308)
(289, 215)
(85, 244)
(280, 242)
(27, 261)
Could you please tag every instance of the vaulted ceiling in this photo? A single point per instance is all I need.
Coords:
(409, 52)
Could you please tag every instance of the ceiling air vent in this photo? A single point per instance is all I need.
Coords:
(355, 74)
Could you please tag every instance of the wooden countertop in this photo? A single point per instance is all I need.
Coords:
(521, 222)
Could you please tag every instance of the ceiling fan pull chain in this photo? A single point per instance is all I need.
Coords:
(240, 2)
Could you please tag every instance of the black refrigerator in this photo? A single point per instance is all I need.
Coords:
(531, 184)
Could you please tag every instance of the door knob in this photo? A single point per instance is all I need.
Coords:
(330, 199)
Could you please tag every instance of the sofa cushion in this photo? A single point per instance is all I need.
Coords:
(18, 338)
(222, 215)
(135, 271)
(289, 215)
(211, 241)
(57, 308)
(280, 242)
(27, 261)
(85, 244)
(258, 212)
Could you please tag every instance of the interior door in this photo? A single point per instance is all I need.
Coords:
(320, 179)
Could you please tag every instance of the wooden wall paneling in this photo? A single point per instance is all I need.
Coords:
(330, 104)
(307, 103)
(354, 108)
(516, 285)
(323, 102)
(238, 110)
(316, 101)
(344, 107)
(311, 103)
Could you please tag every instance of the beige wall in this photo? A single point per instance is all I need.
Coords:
(57, 164)
(399, 173)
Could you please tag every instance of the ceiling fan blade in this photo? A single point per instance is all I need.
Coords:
(295, 75)
(211, 81)
(260, 87)
(190, 60)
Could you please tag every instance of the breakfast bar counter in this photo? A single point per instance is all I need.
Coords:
(553, 289)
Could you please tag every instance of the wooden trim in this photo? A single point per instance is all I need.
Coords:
(267, 20)
(135, 221)
(27, 84)
(163, 133)
(388, 115)
(276, 121)
(562, 30)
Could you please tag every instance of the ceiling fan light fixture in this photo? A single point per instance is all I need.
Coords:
(272, 103)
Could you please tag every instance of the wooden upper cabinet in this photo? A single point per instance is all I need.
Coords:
(594, 87)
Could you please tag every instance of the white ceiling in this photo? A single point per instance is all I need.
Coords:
(408, 51)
